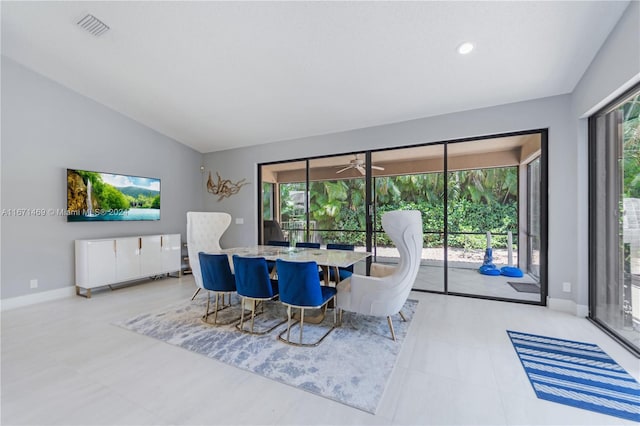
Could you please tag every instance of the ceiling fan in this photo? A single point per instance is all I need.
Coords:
(358, 164)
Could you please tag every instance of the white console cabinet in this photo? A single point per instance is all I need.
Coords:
(108, 261)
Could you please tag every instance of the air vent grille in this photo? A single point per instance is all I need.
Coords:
(93, 25)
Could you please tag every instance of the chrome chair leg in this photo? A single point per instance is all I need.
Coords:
(288, 322)
(215, 316)
(253, 313)
(218, 307)
(196, 293)
(301, 322)
(206, 313)
(242, 314)
(393, 335)
(402, 316)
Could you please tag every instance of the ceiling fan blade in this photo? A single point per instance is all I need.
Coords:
(377, 167)
(342, 170)
(361, 170)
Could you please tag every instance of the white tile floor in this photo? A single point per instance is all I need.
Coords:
(63, 363)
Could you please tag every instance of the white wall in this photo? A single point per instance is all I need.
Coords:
(47, 128)
(552, 113)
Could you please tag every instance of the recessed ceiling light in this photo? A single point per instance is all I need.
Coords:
(465, 48)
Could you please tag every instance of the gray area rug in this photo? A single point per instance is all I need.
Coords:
(352, 365)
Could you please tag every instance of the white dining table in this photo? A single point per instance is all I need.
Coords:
(324, 258)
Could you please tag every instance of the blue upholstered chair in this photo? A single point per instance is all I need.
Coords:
(254, 284)
(343, 273)
(217, 279)
(300, 288)
(308, 245)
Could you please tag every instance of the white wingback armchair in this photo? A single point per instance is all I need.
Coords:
(385, 292)
(204, 230)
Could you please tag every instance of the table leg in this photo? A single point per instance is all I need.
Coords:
(325, 272)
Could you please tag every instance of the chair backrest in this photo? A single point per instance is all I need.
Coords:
(252, 277)
(339, 246)
(272, 231)
(204, 230)
(278, 243)
(308, 245)
(216, 272)
(298, 283)
(404, 227)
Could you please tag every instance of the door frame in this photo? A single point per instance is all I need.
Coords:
(370, 207)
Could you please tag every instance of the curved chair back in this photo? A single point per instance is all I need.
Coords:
(404, 227)
(272, 230)
(216, 272)
(204, 230)
(252, 277)
(298, 283)
(303, 244)
(338, 246)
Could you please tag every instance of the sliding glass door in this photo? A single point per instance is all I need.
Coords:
(614, 277)
(533, 218)
(486, 198)
(412, 179)
(473, 195)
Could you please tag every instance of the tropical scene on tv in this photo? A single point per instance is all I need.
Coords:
(94, 196)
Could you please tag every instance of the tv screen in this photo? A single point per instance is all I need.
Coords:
(95, 196)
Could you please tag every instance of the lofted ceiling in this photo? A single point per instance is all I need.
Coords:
(221, 75)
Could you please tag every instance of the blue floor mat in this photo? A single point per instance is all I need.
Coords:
(577, 374)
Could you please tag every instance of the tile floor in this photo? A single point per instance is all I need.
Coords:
(470, 281)
(63, 363)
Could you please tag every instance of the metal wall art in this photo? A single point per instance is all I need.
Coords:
(224, 187)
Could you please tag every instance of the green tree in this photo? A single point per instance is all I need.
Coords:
(480, 200)
(111, 198)
(631, 146)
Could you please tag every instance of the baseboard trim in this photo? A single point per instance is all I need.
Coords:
(32, 299)
(568, 306)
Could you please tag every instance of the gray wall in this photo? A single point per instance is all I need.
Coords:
(552, 113)
(615, 68)
(47, 128)
(617, 63)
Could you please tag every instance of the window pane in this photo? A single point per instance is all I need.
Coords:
(615, 220)
(337, 200)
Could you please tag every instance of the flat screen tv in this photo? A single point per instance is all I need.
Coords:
(96, 196)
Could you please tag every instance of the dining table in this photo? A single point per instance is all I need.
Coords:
(324, 258)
